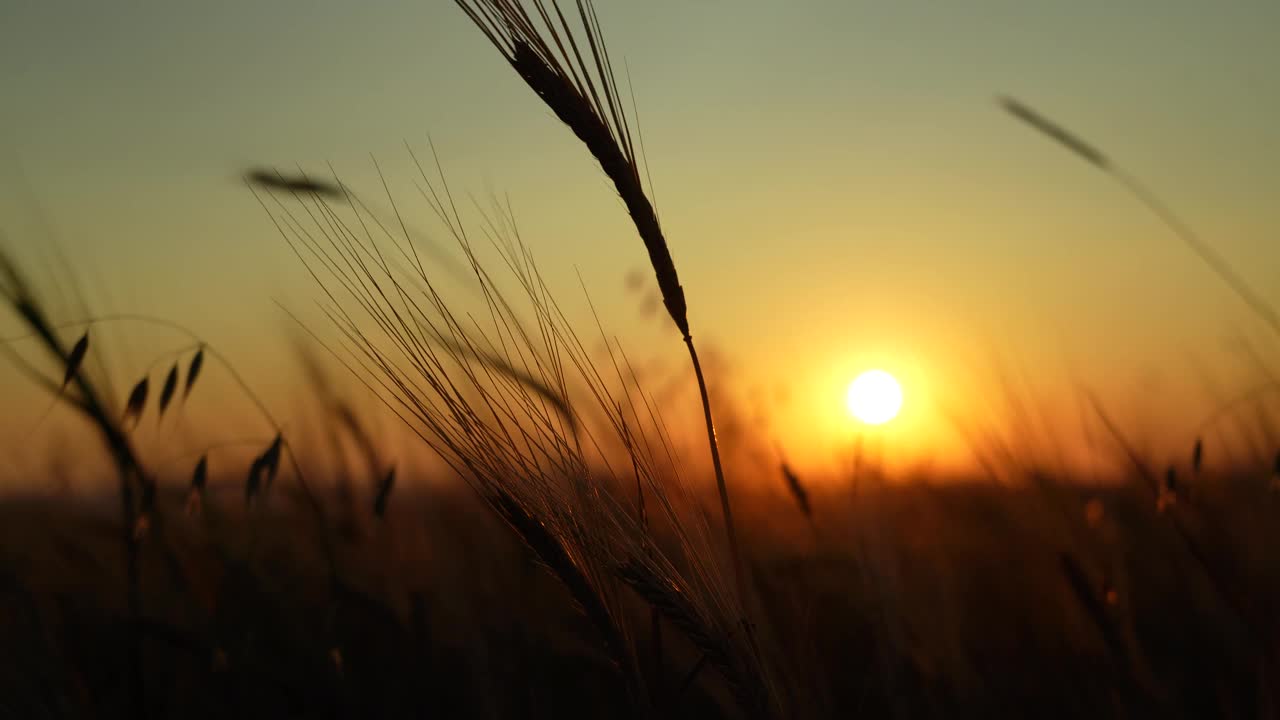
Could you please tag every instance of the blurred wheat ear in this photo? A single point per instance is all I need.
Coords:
(1144, 195)
(1067, 139)
(301, 184)
(570, 70)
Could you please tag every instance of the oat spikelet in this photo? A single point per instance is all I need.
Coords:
(170, 386)
(253, 483)
(201, 475)
(262, 473)
(75, 358)
(198, 480)
(137, 401)
(193, 372)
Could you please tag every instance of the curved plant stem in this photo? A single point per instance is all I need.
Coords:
(1207, 254)
(1095, 157)
(739, 570)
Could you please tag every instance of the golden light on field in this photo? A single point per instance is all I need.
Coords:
(874, 397)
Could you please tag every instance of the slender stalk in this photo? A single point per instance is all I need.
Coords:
(1092, 155)
(1207, 254)
(739, 570)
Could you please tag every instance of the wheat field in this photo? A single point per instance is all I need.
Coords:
(565, 552)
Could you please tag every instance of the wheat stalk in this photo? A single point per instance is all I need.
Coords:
(578, 85)
(668, 599)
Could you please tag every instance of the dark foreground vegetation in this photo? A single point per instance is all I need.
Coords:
(909, 601)
(568, 564)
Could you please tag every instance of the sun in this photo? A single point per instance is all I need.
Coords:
(874, 397)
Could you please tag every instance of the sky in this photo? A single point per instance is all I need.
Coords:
(837, 185)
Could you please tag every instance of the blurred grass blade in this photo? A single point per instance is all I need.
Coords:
(277, 181)
(1055, 131)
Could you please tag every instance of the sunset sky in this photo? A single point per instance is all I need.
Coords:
(838, 187)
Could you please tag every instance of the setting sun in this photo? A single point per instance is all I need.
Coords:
(874, 397)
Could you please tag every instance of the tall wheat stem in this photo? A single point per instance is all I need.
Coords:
(739, 570)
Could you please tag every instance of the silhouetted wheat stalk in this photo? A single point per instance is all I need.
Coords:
(1139, 190)
(669, 600)
(553, 552)
(494, 402)
(579, 86)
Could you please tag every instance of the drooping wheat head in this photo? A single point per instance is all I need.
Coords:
(569, 68)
